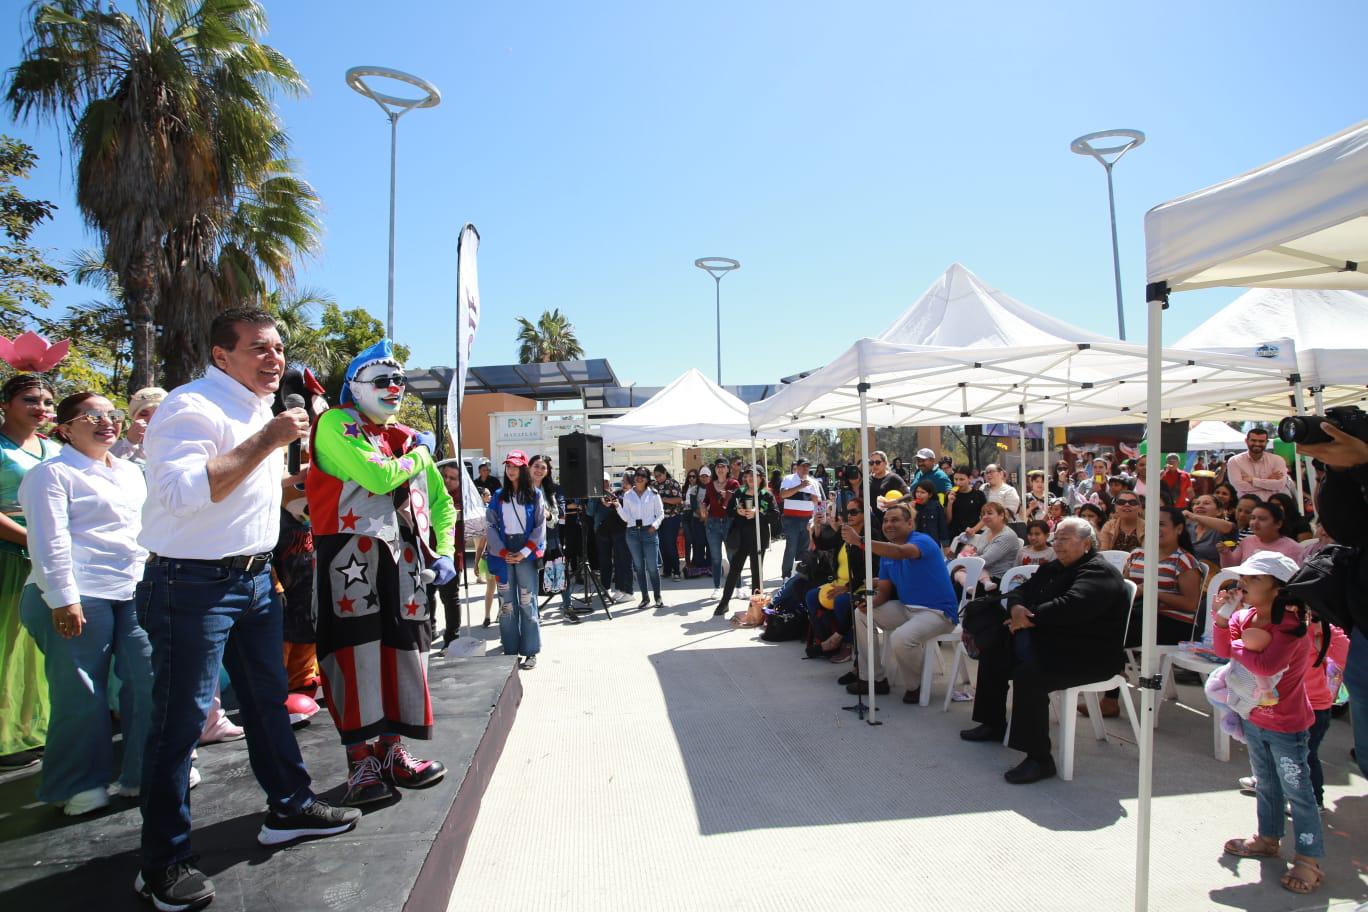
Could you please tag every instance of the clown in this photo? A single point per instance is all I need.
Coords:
(381, 518)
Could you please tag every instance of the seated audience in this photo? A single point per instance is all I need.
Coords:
(83, 509)
(998, 491)
(996, 543)
(1037, 550)
(829, 604)
(1265, 534)
(930, 514)
(1055, 511)
(1206, 527)
(1125, 531)
(1095, 515)
(1295, 525)
(1037, 495)
(913, 600)
(1064, 628)
(964, 504)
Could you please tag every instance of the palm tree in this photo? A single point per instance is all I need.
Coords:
(551, 338)
(172, 119)
(306, 344)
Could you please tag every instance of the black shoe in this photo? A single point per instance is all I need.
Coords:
(20, 760)
(720, 610)
(570, 617)
(912, 696)
(181, 886)
(318, 819)
(644, 604)
(848, 677)
(858, 687)
(1030, 770)
(982, 733)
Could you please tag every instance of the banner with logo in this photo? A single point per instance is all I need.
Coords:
(467, 322)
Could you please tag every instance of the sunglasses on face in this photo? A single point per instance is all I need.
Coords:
(1128, 503)
(854, 514)
(379, 383)
(876, 462)
(114, 416)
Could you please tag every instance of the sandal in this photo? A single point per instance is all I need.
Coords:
(1298, 882)
(1253, 847)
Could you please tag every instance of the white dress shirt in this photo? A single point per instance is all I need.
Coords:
(646, 507)
(197, 422)
(83, 519)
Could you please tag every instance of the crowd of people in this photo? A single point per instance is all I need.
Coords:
(303, 548)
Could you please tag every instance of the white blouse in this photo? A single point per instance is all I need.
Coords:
(83, 521)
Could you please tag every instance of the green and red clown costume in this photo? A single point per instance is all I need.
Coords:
(380, 516)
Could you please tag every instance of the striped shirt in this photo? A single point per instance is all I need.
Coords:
(1170, 568)
(803, 501)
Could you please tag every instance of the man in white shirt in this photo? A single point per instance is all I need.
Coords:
(799, 495)
(212, 517)
(1254, 471)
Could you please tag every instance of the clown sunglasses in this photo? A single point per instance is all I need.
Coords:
(387, 381)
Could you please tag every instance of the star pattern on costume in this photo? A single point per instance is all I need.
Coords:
(376, 458)
(406, 464)
(354, 571)
(345, 604)
(411, 608)
(351, 429)
(348, 520)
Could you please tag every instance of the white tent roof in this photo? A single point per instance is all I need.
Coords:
(1214, 435)
(1298, 222)
(693, 411)
(960, 310)
(1059, 384)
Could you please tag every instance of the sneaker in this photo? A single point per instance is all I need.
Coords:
(529, 663)
(317, 819)
(715, 593)
(400, 768)
(615, 596)
(92, 799)
(221, 729)
(119, 790)
(195, 776)
(365, 782)
(181, 886)
(19, 760)
(1249, 783)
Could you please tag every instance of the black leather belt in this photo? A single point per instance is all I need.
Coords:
(248, 563)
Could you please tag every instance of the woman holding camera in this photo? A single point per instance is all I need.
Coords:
(83, 509)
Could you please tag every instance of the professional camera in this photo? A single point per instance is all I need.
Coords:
(1307, 428)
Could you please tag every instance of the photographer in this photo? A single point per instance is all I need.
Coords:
(1342, 508)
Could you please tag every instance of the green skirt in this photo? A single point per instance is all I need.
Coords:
(23, 682)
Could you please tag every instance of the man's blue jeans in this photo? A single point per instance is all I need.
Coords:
(669, 544)
(1356, 679)
(519, 627)
(80, 751)
(645, 548)
(1278, 761)
(198, 615)
(717, 534)
(795, 541)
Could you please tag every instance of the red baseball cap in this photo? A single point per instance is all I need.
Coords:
(516, 457)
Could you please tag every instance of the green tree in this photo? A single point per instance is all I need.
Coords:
(172, 121)
(25, 273)
(551, 338)
(306, 343)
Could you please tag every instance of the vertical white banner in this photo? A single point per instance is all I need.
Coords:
(467, 322)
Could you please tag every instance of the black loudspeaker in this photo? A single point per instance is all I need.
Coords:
(1173, 436)
(581, 465)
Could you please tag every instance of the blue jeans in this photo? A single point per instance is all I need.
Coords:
(645, 548)
(1278, 761)
(669, 544)
(80, 751)
(1314, 736)
(716, 530)
(1356, 679)
(198, 615)
(519, 628)
(795, 541)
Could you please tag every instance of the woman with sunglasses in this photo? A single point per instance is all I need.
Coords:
(27, 401)
(1125, 531)
(84, 509)
(751, 497)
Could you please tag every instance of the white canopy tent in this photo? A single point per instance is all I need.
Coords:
(692, 410)
(1298, 222)
(1057, 381)
(1214, 435)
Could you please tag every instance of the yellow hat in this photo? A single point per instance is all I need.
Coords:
(893, 496)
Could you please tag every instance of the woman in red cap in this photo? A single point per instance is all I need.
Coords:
(516, 527)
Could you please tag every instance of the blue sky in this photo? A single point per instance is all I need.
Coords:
(845, 154)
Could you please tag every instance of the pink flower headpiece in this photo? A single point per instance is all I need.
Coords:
(31, 352)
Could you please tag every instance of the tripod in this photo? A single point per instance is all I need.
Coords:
(589, 577)
(859, 709)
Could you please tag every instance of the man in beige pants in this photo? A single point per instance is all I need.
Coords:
(913, 600)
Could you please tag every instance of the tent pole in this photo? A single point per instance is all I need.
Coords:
(1149, 681)
(760, 484)
(1299, 397)
(1021, 451)
(872, 664)
(1319, 393)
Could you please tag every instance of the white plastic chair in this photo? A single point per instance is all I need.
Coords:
(1010, 580)
(1220, 741)
(973, 569)
(1067, 709)
(1116, 558)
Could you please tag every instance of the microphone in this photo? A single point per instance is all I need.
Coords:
(293, 401)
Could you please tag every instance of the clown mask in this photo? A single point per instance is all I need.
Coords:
(378, 389)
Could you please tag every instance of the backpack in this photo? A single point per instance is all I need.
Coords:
(1327, 583)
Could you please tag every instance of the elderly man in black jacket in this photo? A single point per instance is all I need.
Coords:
(1066, 627)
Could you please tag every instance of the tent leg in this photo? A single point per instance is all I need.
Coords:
(872, 664)
(760, 485)
(1149, 682)
(1021, 446)
(1299, 398)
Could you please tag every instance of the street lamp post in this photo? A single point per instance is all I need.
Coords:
(1122, 142)
(717, 267)
(394, 107)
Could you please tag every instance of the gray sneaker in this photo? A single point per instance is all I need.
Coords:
(529, 663)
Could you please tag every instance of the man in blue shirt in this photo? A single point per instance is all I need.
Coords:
(913, 600)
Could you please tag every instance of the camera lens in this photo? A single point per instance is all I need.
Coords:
(1302, 429)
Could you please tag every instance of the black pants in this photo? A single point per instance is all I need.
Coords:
(615, 561)
(1012, 658)
(739, 554)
